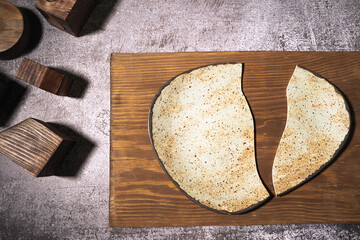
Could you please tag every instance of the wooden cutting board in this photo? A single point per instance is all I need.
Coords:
(142, 195)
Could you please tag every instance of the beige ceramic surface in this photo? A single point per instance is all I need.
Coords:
(203, 132)
(318, 121)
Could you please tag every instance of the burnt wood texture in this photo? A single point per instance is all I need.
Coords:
(36, 146)
(14, 31)
(142, 195)
(67, 15)
(44, 77)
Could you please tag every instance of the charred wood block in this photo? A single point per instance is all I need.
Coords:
(36, 146)
(67, 15)
(43, 77)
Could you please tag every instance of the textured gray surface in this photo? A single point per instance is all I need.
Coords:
(75, 206)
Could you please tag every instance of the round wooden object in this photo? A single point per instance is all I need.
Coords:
(11, 29)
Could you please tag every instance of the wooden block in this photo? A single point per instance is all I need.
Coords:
(36, 146)
(14, 31)
(67, 15)
(44, 77)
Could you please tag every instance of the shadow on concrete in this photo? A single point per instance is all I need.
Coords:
(12, 94)
(79, 84)
(36, 29)
(99, 16)
(73, 162)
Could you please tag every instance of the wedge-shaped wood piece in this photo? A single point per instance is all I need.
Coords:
(317, 127)
(202, 132)
(44, 77)
(67, 15)
(36, 146)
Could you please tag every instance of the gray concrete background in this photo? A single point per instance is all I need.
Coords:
(74, 205)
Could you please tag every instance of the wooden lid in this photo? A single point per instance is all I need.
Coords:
(11, 25)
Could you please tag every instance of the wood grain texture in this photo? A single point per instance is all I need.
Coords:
(14, 31)
(11, 25)
(43, 77)
(141, 195)
(36, 146)
(67, 15)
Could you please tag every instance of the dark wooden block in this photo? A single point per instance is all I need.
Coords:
(67, 15)
(43, 77)
(36, 146)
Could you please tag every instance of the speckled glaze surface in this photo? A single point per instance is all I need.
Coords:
(318, 122)
(202, 131)
(76, 207)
